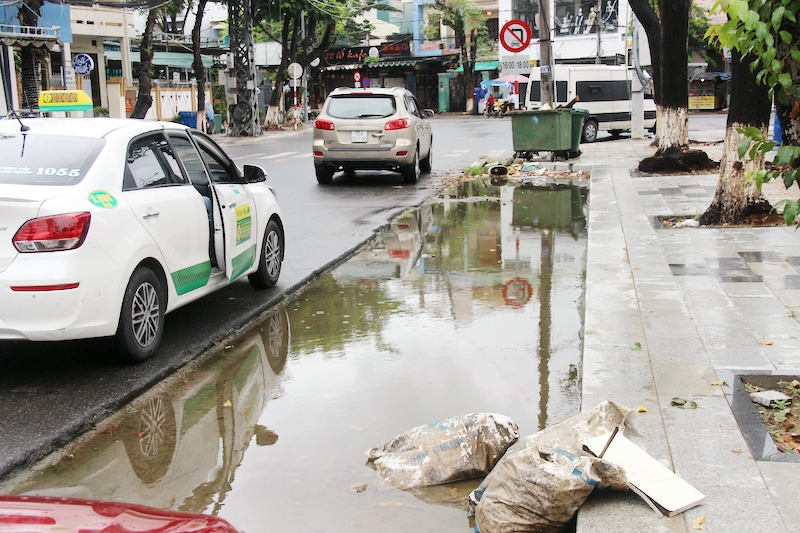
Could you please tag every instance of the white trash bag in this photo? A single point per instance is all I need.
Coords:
(543, 480)
(460, 447)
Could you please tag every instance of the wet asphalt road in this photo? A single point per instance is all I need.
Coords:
(52, 392)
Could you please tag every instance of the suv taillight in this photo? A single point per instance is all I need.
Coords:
(52, 234)
(323, 124)
(398, 124)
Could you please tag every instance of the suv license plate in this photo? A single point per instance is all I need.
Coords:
(358, 136)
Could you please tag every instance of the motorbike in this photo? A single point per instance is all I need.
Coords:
(499, 109)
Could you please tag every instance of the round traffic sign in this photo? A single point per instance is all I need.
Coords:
(295, 70)
(366, 83)
(515, 35)
(356, 76)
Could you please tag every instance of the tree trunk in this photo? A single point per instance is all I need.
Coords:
(144, 99)
(652, 27)
(736, 198)
(31, 78)
(785, 107)
(197, 65)
(673, 88)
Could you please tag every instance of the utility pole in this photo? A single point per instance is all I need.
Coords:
(598, 20)
(545, 53)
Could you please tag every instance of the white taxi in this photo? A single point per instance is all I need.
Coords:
(107, 224)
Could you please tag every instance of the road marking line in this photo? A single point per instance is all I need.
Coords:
(302, 155)
(273, 156)
(456, 153)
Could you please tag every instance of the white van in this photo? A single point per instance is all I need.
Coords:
(603, 90)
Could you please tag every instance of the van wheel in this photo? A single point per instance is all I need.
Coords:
(141, 320)
(589, 131)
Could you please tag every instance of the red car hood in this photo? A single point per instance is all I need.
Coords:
(45, 514)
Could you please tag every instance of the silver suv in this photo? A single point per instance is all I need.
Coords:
(372, 129)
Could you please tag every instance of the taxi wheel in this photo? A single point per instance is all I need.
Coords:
(411, 172)
(269, 265)
(141, 321)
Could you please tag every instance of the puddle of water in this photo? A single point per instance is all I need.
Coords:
(468, 304)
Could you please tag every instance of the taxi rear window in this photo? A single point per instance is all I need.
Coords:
(361, 106)
(33, 159)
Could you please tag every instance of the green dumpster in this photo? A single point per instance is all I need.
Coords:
(552, 130)
(217, 123)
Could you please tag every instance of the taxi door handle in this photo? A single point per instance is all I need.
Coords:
(150, 214)
(232, 204)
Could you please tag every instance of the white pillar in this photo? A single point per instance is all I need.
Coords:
(125, 52)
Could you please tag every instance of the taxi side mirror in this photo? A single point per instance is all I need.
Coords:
(254, 174)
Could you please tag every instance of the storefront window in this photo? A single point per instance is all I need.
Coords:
(528, 11)
(576, 17)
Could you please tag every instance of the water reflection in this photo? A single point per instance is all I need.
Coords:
(177, 447)
(467, 304)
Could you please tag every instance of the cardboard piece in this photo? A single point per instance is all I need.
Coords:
(659, 486)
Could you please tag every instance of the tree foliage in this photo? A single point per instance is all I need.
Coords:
(471, 34)
(768, 31)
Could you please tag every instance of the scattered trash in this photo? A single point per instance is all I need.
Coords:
(641, 409)
(766, 397)
(544, 478)
(659, 486)
(361, 487)
(688, 223)
(460, 447)
(698, 522)
(683, 403)
(717, 383)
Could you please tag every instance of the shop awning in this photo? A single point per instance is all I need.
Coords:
(482, 65)
(405, 62)
(170, 59)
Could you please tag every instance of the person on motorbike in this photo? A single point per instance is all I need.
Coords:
(489, 105)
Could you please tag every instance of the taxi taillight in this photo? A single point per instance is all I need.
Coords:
(321, 124)
(53, 233)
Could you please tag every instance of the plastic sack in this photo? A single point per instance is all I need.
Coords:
(543, 480)
(460, 447)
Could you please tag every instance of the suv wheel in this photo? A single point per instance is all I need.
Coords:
(411, 172)
(425, 164)
(324, 175)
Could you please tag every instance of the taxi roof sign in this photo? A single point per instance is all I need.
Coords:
(72, 100)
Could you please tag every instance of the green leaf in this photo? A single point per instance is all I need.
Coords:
(795, 54)
(637, 346)
(785, 79)
(777, 16)
(784, 156)
(789, 178)
(744, 146)
(761, 30)
(752, 132)
(766, 146)
(789, 15)
(786, 37)
(790, 211)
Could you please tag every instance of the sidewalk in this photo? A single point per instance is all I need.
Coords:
(703, 304)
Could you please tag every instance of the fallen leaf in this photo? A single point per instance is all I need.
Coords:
(795, 383)
(717, 383)
(229, 347)
(641, 409)
(683, 404)
(227, 403)
(698, 522)
(361, 487)
(765, 342)
(454, 492)
(636, 346)
(737, 451)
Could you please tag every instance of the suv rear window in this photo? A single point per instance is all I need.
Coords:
(361, 106)
(31, 159)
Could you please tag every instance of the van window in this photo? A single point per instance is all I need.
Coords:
(536, 91)
(602, 91)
